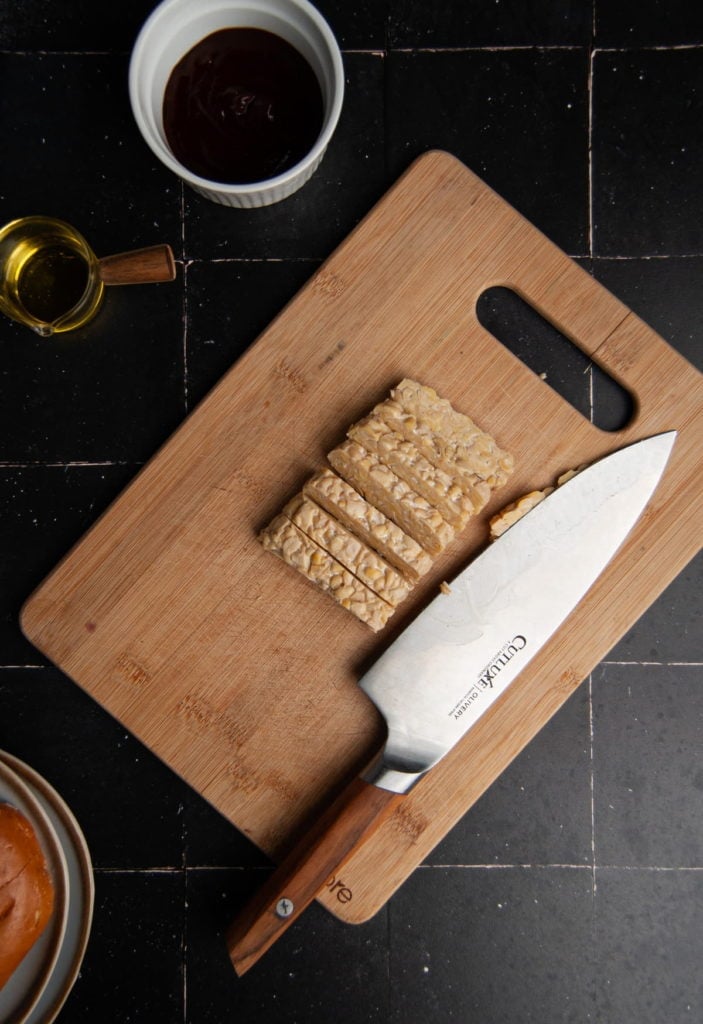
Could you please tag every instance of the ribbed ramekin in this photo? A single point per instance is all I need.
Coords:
(175, 26)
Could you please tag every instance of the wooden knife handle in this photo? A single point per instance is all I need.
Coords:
(349, 822)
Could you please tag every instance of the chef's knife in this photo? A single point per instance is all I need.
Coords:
(456, 658)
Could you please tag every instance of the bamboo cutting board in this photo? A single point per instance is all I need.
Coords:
(235, 670)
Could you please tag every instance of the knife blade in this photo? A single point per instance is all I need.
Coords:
(455, 660)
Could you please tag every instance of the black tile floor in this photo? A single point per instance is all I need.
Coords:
(573, 891)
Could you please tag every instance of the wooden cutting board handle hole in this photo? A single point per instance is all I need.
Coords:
(537, 342)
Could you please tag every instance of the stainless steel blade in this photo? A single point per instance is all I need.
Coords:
(452, 662)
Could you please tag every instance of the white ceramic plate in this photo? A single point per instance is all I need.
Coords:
(24, 988)
(81, 892)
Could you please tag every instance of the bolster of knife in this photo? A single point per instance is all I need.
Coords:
(352, 819)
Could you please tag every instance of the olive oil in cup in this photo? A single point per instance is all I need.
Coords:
(49, 276)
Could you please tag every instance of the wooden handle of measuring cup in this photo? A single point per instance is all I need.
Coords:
(139, 266)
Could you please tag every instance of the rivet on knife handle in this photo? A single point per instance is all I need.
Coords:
(353, 818)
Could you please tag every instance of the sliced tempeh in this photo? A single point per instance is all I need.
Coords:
(399, 502)
(352, 553)
(408, 476)
(350, 508)
(441, 490)
(449, 439)
(285, 539)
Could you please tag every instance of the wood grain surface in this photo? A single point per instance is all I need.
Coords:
(234, 669)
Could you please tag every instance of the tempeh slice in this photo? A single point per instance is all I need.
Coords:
(504, 519)
(352, 553)
(283, 538)
(384, 489)
(350, 508)
(439, 488)
(449, 439)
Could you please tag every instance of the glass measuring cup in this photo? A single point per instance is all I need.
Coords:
(51, 281)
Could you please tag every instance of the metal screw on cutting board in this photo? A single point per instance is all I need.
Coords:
(285, 907)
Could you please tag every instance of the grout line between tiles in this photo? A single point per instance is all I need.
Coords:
(692, 868)
(517, 47)
(362, 51)
(160, 870)
(29, 665)
(59, 53)
(385, 89)
(389, 961)
(594, 868)
(592, 785)
(651, 256)
(182, 214)
(254, 259)
(507, 867)
(68, 465)
(184, 313)
(230, 867)
(184, 302)
(559, 47)
(589, 152)
(644, 48)
(664, 664)
(184, 943)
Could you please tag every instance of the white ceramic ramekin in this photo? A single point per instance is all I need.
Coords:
(175, 26)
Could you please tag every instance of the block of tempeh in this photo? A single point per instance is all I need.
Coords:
(449, 439)
(396, 499)
(455, 503)
(350, 551)
(285, 539)
(341, 500)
